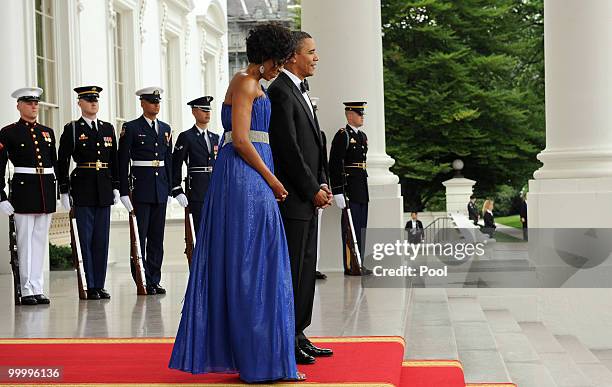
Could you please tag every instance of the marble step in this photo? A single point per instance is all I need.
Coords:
(576, 349)
(476, 345)
(564, 371)
(530, 375)
(542, 340)
(428, 330)
(604, 356)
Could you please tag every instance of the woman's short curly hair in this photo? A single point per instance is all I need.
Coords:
(269, 41)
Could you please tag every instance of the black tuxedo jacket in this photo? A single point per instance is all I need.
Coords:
(300, 157)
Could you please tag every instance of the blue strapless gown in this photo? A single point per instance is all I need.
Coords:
(238, 311)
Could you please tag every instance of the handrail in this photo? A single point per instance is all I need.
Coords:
(438, 230)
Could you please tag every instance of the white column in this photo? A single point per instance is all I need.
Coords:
(349, 42)
(13, 70)
(458, 192)
(575, 183)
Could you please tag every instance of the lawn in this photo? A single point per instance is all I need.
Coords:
(512, 221)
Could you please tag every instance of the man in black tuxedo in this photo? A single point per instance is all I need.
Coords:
(299, 163)
(414, 227)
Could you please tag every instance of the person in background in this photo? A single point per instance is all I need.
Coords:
(472, 211)
(523, 215)
(489, 220)
(414, 227)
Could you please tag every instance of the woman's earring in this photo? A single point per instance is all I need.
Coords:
(262, 69)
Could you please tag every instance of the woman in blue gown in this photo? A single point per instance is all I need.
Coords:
(238, 310)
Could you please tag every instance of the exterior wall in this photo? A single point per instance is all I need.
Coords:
(84, 34)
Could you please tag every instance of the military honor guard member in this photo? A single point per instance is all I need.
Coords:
(348, 175)
(145, 168)
(30, 147)
(93, 185)
(197, 147)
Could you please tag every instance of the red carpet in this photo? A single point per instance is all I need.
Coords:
(358, 361)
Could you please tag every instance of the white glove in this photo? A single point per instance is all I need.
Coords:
(116, 196)
(7, 207)
(127, 203)
(182, 199)
(339, 199)
(65, 201)
(170, 199)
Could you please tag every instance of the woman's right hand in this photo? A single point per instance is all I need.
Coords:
(280, 193)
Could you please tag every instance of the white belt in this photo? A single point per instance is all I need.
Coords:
(254, 136)
(150, 163)
(34, 171)
(199, 169)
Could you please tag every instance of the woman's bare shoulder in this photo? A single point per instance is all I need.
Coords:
(244, 85)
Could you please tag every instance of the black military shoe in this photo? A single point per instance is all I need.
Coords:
(103, 294)
(314, 351)
(159, 289)
(151, 290)
(92, 294)
(302, 357)
(41, 299)
(320, 276)
(28, 300)
(366, 271)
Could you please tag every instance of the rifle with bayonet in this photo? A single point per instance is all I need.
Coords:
(352, 254)
(14, 254)
(190, 237)
(136, 265)
(77, 256)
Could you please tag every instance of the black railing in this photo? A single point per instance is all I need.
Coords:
(440, 230)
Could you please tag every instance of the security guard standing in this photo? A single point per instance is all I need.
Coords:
(93, 185)
(197, 147)
(348, 175)
(145, 158)
(30, 147)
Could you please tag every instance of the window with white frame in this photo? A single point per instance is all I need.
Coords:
(46, 62)
(171, 102)
(119, 80)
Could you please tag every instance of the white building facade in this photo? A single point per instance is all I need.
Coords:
(119, 45)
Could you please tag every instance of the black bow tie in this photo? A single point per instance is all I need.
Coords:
(304, 86)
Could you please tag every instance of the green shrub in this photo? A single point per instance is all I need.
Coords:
(60, 257)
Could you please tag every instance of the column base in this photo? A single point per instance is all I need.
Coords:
(570, 203)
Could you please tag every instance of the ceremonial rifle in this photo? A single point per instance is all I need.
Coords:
(190, 237)
(77, 256)
(136, 265)
(351, 249)
(14, 255)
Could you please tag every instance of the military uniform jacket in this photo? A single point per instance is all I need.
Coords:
(139, 142)
(33, 146)
(88, 186)
(191, 148)
(348, 148)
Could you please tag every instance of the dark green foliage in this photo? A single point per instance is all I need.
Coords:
(463, 79)
(60, 257)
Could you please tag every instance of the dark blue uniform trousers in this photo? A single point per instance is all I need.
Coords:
(93, 224)
(359, 215)
(196, 212)
(151, 219)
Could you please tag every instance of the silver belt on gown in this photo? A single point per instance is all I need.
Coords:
(254, 136)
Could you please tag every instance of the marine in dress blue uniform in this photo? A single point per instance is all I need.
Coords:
(197, 147)
(30, 147)
(145, 166)
(93, 185)
(348, 174)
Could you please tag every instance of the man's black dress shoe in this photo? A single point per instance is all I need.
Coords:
(28, 300)
(151, 291)
(159, 289)
(315, 351)
(302, 357)
(320, 276)
(103, 294)
(92, 294)
(41, 299)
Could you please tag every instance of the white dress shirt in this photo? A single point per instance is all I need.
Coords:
(204, 132)
(88, 121)
(156, 124)
(297, 82)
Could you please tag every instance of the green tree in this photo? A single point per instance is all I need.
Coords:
(463, 79)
